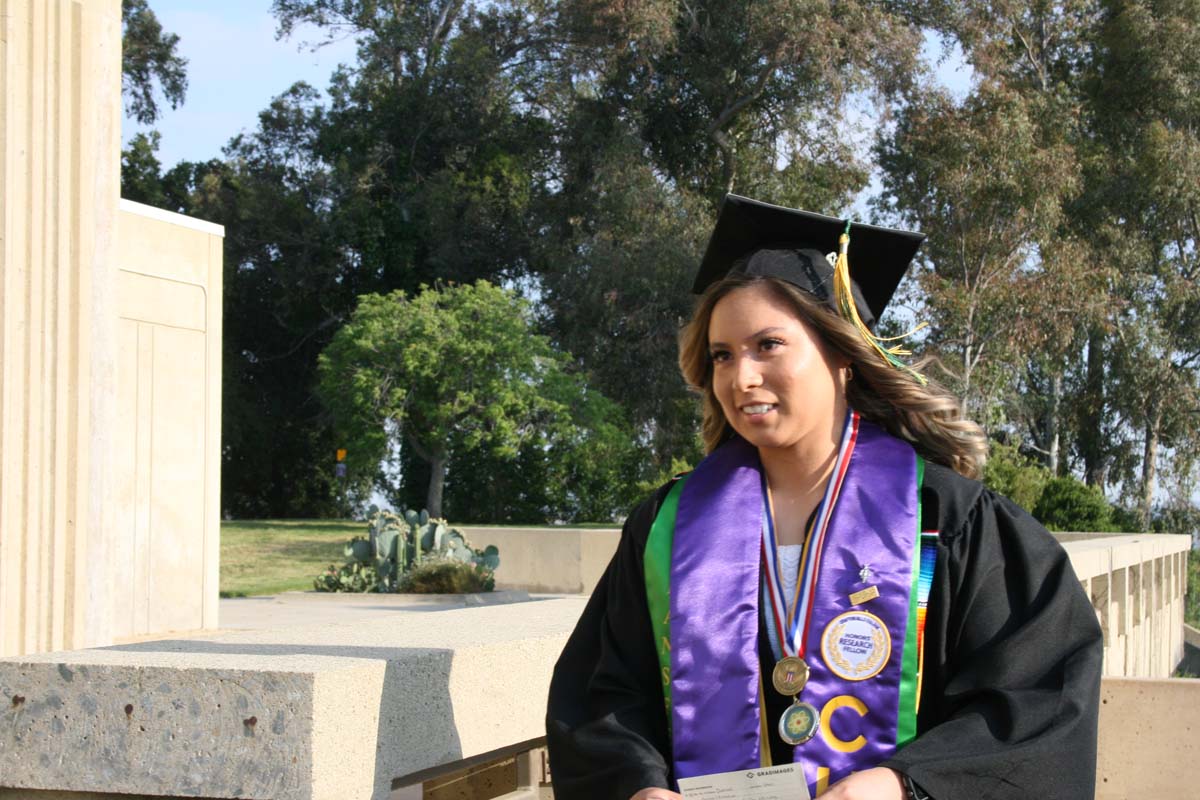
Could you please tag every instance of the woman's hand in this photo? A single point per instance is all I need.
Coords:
(879, 783)
(656, 794)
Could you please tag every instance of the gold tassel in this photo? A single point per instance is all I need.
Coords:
(843, 297)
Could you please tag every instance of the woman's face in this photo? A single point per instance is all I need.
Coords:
(775, 379)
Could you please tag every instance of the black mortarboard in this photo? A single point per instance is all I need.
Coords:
(763, 239)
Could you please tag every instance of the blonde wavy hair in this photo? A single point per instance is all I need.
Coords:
(927, 416)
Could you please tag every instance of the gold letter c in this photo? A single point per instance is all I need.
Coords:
(842, 701)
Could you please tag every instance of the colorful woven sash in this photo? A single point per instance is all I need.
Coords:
(702, 565)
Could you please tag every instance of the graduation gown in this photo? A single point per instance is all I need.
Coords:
(1011, 673)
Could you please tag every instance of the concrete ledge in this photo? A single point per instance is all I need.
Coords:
(549, 560)
(325, 711)
(1148, 744)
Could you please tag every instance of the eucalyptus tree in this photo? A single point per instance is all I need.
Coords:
(978, 177)
(1015, 283)
(1146, 101)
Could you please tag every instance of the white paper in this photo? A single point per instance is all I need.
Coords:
(785, 782)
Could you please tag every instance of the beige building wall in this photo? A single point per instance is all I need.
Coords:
(60, 111)
(168, 436)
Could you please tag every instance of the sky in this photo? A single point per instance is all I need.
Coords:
(236, 66)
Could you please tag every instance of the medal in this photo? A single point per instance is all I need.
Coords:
(789, 621)
(856, 645)
(799, 723)
(790, 675)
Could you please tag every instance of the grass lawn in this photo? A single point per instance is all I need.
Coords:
(269, 556)
(283, 555)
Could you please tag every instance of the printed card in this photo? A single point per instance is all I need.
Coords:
(785, 782)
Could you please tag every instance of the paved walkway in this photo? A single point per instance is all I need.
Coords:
(315, 608)
(289, 609)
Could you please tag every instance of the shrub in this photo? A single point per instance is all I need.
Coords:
(447, 576)
(1017, 477)
(1067, 504)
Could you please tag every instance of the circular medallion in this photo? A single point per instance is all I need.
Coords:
(789, 675)
(856, 645)
(799, 723)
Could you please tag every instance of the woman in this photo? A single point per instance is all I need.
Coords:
(830, 586)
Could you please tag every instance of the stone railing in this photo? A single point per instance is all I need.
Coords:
(1136, 583)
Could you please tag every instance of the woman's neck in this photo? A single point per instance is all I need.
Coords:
(797, 477)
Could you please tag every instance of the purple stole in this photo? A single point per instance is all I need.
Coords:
(714, 610)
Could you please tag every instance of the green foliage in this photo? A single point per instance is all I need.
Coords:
(575, 151)
(458, 371)
(678, 466)
(148, 57)
(1067, 504)
(140, 167)
(352, 576)
(1011, 474)
(440, 576)
(577, 466)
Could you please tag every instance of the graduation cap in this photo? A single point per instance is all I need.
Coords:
(757, 238)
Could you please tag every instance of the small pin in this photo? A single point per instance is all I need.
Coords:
(860, 597)
(864, 573)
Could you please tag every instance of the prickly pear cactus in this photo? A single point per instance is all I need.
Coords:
(398, 544)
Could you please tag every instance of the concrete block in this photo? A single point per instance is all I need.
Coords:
(1148, 738)
(303, 713)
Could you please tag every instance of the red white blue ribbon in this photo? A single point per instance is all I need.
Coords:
(790, 621)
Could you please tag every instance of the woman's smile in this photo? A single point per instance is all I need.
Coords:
(775, 379)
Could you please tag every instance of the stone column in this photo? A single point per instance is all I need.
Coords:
(60, 114)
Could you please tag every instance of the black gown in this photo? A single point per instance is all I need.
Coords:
(1011, 683)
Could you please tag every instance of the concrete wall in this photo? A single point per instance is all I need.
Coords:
(60, 63)
(1148, 744)
(168, 442)
(549, 560)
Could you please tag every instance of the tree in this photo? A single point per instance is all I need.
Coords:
(451, 371)
(987, 187)
(141, 171)
(658, 108)
(149, 58)
(1146, 63)
(744, 95)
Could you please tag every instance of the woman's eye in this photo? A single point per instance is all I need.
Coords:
(719, 355)
(770, 344)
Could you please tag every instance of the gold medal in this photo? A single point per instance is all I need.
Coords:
(799, 723)
(790, 675)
